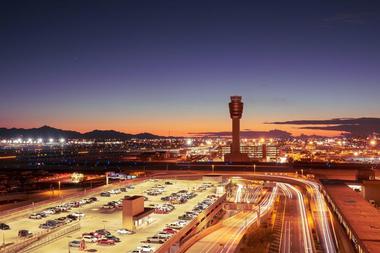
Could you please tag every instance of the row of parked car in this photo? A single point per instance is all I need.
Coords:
(155, 190)
(182, 221)
(189, 215)
(203, 187)
(101, 237)
(179, 197)
(113, 204)
(51, 224)
(163, 208)
(116, 191)
(62, 208)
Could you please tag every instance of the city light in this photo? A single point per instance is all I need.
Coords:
(61, 140)
(189, 142)
(373, 142)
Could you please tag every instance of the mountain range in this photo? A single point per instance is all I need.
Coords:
(47, 132)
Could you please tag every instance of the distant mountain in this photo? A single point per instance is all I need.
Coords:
(46, 132)
(248, 134)
(107, 134)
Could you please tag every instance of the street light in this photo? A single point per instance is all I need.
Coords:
(59, 187)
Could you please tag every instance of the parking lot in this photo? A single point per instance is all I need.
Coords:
(98, 216)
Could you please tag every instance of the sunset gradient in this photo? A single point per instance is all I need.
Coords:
(170, 67)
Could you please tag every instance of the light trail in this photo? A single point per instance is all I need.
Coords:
(264, 207)
(307, 242)
(237, 224)
(238, 193)
(323, 224)
(329, 245)
(287, 194)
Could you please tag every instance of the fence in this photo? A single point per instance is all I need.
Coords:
(18, 211)
(38, 239)
(51, 237)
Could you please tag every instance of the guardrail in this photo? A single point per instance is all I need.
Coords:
(51, 237)
(16, 211)
(22, 245)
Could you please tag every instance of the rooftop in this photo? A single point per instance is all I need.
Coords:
(360, 215)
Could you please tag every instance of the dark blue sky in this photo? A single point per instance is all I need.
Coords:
(163, 66)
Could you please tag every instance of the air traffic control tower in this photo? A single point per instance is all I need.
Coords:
(236, 111)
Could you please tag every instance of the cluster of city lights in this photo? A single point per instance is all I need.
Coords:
(33, 141)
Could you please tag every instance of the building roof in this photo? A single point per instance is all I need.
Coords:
(146, 212)
(133, 197)
(362, 218)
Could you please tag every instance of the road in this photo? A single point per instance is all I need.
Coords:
(227, 238)
(295, 231)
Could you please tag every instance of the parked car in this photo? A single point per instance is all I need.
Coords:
(89, 238)
(24, 233)
(102, 232)
(124, 231)
(108, 206)
(94, 198)
(106, 242)
(155, 239)
(169, 230)
(4, 226)
(35, 216)
(112, 237)
(75, 243)
(146, 248)
(105, 194)
(78, 214)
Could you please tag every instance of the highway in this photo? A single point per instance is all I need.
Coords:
(227, 238)
(322, 218)
(295, 231)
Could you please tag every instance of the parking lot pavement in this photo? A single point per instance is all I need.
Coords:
(95, 218)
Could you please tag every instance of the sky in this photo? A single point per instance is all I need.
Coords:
(169, 67)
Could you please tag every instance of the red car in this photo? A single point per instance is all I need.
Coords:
(106, 242)
(170, 230)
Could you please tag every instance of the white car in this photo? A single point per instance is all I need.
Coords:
(35, 216)
(48, 211)
(108, 207)
(89, 238)
(163, 235)
(146, 248)
(124, 231)
(78, 214)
